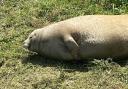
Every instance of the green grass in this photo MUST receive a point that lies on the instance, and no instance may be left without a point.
(20, 69)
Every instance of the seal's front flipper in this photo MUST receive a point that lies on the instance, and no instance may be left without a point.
(72, 46)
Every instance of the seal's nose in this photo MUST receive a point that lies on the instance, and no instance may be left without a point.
(25, 45)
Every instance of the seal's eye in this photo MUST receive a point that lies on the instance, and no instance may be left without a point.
(30, 37)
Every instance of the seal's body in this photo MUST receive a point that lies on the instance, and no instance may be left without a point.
(91, 36)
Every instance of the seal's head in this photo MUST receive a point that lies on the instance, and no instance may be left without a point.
(31, 42)
(49, 43)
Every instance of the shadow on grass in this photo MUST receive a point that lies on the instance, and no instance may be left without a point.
(66, 65)
(122, 62)
(70, 66)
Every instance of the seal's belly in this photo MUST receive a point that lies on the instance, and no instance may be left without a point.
(103, 49)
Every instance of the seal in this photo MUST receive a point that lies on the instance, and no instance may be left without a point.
(90, 36)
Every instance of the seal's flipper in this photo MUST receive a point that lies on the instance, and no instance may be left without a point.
(72, 45)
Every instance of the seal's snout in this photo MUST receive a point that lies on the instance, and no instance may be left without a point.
(25, 45)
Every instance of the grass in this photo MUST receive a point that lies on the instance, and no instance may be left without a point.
(20, 69)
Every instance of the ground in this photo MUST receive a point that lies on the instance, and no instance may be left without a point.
(20, 69)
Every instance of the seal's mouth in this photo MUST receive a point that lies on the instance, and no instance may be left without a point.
(26, 46)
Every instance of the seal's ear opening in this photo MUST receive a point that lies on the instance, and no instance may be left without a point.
(72, 45)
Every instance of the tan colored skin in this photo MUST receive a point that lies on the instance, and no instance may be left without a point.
(91, 36)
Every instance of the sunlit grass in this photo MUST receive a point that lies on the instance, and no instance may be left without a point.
(21, 70)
